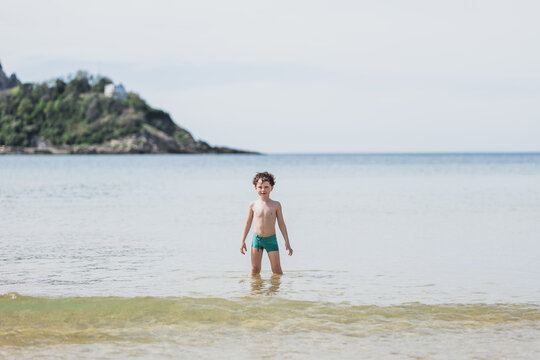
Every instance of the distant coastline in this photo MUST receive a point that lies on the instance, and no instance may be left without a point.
(127, 145)
(88, 115)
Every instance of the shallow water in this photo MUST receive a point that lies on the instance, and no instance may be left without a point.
(396, 256)
(202, 325)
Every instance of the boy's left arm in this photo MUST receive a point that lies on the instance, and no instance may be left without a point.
(283, 228)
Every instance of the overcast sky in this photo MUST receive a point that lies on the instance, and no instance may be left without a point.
(303, 76)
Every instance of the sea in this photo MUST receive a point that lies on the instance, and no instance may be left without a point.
(396, 256)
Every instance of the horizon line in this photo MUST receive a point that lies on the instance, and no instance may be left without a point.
(409, 153)
(258, 153)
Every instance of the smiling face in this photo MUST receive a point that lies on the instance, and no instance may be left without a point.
(263, 189)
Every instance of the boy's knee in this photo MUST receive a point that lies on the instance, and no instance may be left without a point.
(255, 270)
(277, 270)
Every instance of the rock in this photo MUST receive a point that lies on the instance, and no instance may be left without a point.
(155, 142)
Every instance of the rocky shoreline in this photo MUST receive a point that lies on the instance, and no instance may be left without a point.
(155, 142)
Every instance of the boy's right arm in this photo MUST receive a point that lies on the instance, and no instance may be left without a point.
(243, 247)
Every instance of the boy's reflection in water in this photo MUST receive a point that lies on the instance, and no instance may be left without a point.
(258, 288)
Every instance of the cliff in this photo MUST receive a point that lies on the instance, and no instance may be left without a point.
(75, 117)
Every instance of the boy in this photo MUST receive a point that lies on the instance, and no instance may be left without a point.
(266, 212)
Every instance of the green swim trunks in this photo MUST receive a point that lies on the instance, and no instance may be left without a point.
(269, 243)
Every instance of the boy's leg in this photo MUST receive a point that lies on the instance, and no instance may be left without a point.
(256, 258)
(274, 262)
(256, 284)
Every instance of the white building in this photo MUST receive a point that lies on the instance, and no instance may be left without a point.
(115, 91)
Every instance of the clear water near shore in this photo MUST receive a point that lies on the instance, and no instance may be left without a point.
(396, 256)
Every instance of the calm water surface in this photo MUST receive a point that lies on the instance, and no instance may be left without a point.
(396, 256)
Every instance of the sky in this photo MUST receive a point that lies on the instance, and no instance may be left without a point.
(303, 76)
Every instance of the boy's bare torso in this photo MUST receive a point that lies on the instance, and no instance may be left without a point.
(264, 217)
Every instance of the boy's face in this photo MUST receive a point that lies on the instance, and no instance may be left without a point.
(263, 188)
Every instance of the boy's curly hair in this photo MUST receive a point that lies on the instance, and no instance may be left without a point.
(264, 176)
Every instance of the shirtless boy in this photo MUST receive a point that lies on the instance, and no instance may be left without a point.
(265, 211)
